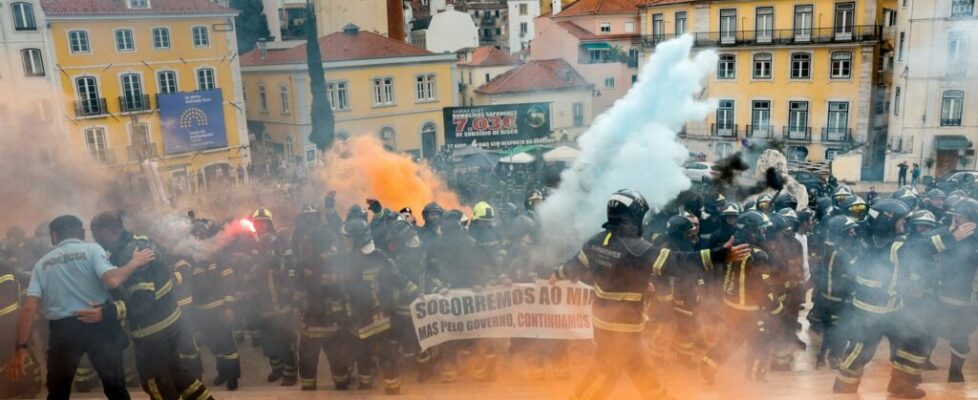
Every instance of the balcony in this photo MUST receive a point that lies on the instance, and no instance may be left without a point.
(134, 103)
(951, 122)
(91, 108)
(837, 135)
(798, 133)
(776, 37)
(724, 130)
(884, 78)
(140, 152)
(104, 156)
(759, 131)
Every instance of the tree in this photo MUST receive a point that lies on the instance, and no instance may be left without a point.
(323, 123)
(250, 24)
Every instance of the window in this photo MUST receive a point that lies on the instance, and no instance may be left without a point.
(609, 83)
(33, 64)
(903, 40)
(289, 148)
(523, 9)
(383, 91)
(429, 139)
(487, 78)
(97, 145)
(801, 66)
(889, 17)
(797, 119)
(524, 28)
(680, 23)
(132, 94)
(23, 14)
(896, 102)
(339, 95)
(725, 117)
(89, 102)
(723, 150)
(138, 3)
(962, 8)
(124, 40)
(728, 26)
(760, 118)
(425, 87)
(951, 107)
(283, 98)
(167, 81)
(727, 67)
(762, 66)
(658, 28)
(262, 99)
(841, 64)
(836, 128)
(803, 23)
(201, 36)
(844, 16)
(161, 38)
(205, 79)
(78, 42)
(957, 54)
(605, 27)
(578, 114)
(764, 24)
(629, 27)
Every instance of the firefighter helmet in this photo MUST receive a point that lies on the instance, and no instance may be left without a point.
(483, 212)
(967, 208)
(785, 200)
(358, 230)
(841, 228)
(922, 218)
(840, 194)
(730, 209)
(936, 194)
(855, 207)
(626, 206)
(908, 196)
(763, 203)
(261, 214)
(753, 226)
(884, 214)
(356, 212)
(790, 216)
(432, 209)
(679, 225)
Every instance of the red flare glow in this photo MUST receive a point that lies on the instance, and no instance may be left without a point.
(247, 225)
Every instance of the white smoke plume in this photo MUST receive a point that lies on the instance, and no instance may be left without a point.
(632, 145)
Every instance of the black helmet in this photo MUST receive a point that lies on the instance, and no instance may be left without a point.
(841, 228)
(432, 210)
(908, 196)
(785, 200)
(855, 207)
(823, 207)
(356, 212)
(730, 209)
(922, 218)
(679, 225)
(753, 226)
(508, 211)
(627, 206)
(936, 194)
(884, 215)
(452, 220)
(953, 200)
(402, 231)
(358, 230)
(790, 216)
(805, 215)
(967, 208)
(840, 194)
(778, 223)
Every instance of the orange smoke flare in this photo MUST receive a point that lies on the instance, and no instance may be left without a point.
(360, 168)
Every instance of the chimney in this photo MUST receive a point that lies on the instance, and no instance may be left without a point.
(395, 20)
(557, 6)
(262, 48)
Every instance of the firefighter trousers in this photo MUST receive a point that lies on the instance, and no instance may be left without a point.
(161, 373)
(371, 350)
(903, 331)
(402, 331)
(616, 353)
(218, 337)
(278, 343)
(960, 322)
(742, 327)
(336, 346)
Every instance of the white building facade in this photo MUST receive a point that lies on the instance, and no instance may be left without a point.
(27, 67)
(521, 15)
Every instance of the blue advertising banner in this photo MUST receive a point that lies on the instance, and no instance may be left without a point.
(192, 121)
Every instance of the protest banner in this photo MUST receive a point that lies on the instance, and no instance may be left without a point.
(531, 310)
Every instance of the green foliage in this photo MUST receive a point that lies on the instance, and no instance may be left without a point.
(323, 121)
(250, 24)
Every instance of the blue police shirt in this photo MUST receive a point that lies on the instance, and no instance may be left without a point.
(69, 278)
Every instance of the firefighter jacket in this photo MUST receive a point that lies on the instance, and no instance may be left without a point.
(418, 277)
(145, 300)
(322, 296)
(274, 277)
(833, 279)
(749, 285)
(183, 283)
(454, 260)
(619, 267)
(213, 284)
(9, 304)
(372, 276)
(883, 276)
(957, 275)
(489, 250)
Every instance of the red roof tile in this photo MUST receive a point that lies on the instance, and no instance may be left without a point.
(664, 2)
(584, 34)
(536, 75)
(489, 56)
(72, 8)
(339, 46)
(582, 7)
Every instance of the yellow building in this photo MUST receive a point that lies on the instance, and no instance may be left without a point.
(116, 59)
(801, 71)
(376, 85)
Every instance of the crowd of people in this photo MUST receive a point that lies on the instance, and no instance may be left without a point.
(691, 282)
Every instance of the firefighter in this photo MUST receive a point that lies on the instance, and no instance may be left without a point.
(29, 386)
(935, 203)
(488, 241)
(956, 276)
(413, 265)
(274, 285)
(321, 299)
(786, 254)
(150, 310)
(833, 285)
(683, 236)
(619, 264)
(763, 204)
(188, 350)
(839, 195)
(430, 232)
(213, 286)
(369, 287)
(880, 291)
(908, 196)
(750, 297)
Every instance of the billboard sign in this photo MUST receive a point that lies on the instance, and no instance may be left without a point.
(192, 121)
(498, 126)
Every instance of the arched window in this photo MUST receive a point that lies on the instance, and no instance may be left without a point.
(429, 139)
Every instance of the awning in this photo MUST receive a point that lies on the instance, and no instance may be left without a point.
(596, 46)
(951, 142)
(561, 154)
(521, 158)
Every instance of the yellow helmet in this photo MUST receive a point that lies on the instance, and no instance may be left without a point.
(483, 212)
(261, 213)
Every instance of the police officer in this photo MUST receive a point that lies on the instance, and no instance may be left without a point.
(617, 261)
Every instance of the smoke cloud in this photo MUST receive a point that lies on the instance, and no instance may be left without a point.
(632, 145)
(361, 168)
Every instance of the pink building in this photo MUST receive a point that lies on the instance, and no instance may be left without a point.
(596, 37)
